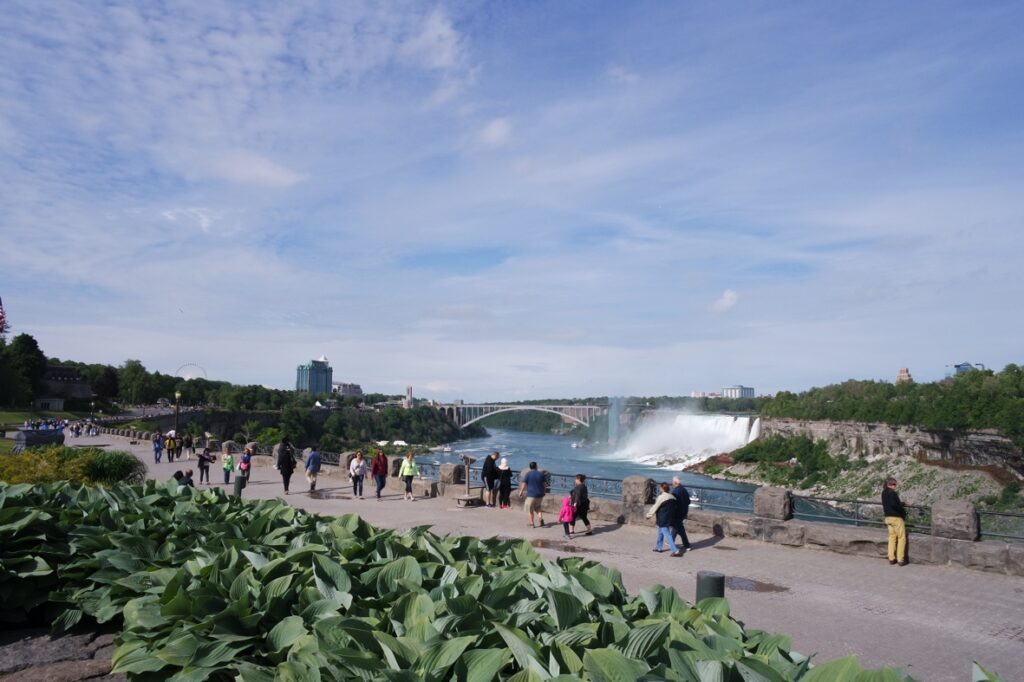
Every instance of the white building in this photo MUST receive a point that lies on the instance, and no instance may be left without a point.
(738, 392)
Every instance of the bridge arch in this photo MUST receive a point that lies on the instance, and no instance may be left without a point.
(533, 408)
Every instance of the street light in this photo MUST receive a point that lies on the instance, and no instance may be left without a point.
(92, 409)
(177, 398)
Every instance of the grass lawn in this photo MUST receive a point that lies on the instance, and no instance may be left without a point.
(5, 446)
(18, 418)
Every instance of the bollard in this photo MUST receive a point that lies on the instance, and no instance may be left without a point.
(710, 584)
(240, 482)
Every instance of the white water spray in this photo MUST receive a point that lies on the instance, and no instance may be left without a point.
(675, 441)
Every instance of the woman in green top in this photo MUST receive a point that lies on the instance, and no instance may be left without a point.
(229, 464)
(408, 471)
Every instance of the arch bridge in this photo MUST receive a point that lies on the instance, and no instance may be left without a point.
(464, 415)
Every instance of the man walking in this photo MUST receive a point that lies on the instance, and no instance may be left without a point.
(285, 462)
(682, 496)
(312, 468)
(533, 487)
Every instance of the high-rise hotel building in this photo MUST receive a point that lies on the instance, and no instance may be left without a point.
(314, 376)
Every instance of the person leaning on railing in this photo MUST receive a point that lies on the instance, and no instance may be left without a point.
(896, 521)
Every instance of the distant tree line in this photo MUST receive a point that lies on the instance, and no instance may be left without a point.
(979, 399)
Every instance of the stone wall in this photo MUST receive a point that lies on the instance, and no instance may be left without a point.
(952, 542)
(964, 448)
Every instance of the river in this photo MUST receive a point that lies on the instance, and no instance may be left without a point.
(557, 454)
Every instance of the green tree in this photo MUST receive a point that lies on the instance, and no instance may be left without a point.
(27, 366)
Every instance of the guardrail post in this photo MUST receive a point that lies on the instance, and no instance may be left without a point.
(710, 584)
(955, 519)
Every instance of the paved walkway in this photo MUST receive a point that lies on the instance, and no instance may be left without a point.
(932, 621)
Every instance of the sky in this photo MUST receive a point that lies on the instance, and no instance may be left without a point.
(507, 201)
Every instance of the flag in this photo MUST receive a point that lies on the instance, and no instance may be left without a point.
(3, 321)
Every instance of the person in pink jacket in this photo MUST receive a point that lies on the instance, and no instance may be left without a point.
(567, 515)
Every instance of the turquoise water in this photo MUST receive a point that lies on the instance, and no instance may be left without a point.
(556, 454)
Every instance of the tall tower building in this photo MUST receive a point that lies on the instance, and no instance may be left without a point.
(407, 403)
(314, 376)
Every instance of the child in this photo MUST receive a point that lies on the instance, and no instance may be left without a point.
(228, 464)
(567, 516)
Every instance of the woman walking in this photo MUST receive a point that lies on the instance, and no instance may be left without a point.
(409, 471)
(245, 464)
(581, 504)
(285, 463)
(379, 471)
(665, 509)
(205, 459)
(357, 471)
(228, 463)
(504, 484)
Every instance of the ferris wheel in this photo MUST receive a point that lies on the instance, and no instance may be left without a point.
(190, 370)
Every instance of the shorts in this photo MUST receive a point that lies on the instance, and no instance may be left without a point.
(533, 504)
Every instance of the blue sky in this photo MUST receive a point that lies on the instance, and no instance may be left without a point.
(496, 201)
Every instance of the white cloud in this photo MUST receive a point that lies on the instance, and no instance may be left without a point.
(725, 302)
(252, 169)
(622, 75)
(496, 133)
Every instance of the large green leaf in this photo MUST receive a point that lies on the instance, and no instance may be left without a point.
(483, 665)
(442, 655)
(285, 633)
(609, 665)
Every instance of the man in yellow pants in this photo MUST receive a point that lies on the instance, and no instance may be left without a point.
(895, 520)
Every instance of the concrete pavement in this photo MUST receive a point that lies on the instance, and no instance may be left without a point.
(930, 620)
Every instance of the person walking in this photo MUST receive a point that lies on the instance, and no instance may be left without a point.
(169, 445)
(489, 474)
(313, 468)
(581, 504)
(504, 484)
(190, 447)
(682, 496)
(896, 522)
(158, 447)
(408, 471)
(567, 516)
(228, 463)
(533, 487)
(665, 511)
(179, 445)
(357, 472)
(245, 464)
(205, 459)
(285, 462)
(379, 471)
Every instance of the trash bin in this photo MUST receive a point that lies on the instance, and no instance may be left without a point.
(240, 482)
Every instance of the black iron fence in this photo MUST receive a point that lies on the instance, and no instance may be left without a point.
(1002, 526)
(857, 513)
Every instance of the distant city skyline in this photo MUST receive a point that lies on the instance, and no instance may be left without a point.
(516, 201)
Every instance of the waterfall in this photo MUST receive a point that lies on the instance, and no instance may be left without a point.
(674, 440)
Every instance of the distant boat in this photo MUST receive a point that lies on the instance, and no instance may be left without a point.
(576, 445)
(446, 448)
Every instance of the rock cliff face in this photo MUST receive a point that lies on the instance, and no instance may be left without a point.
(982, 449)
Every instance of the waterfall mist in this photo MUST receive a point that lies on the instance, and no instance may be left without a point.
(674, 440)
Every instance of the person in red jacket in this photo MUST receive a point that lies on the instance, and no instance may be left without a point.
(379, 471)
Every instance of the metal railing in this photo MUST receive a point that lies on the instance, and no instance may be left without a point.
(721, 499)
(857, 513)
(1001, 525)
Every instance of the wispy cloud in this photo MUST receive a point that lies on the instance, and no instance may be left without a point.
(458, 199)
(727, 301)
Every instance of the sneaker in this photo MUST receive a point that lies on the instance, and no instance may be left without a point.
(892, 562)
(659, 551)
(568, 537)
(903, 563)
(676, 553)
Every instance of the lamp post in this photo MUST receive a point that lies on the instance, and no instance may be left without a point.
(92, 409)
(177, 399)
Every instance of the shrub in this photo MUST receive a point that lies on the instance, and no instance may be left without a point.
(267, 591)
(78, 465)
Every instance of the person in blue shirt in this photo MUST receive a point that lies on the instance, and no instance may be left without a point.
(682, 496)
(312, 468)
(533, 487)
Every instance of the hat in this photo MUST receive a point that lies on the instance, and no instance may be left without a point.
(504, 463)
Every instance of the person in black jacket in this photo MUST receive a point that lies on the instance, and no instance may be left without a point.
(285, 462)
(489, 474)
(895, 520)
(682, 496)
(664, 511)
(581, 503)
